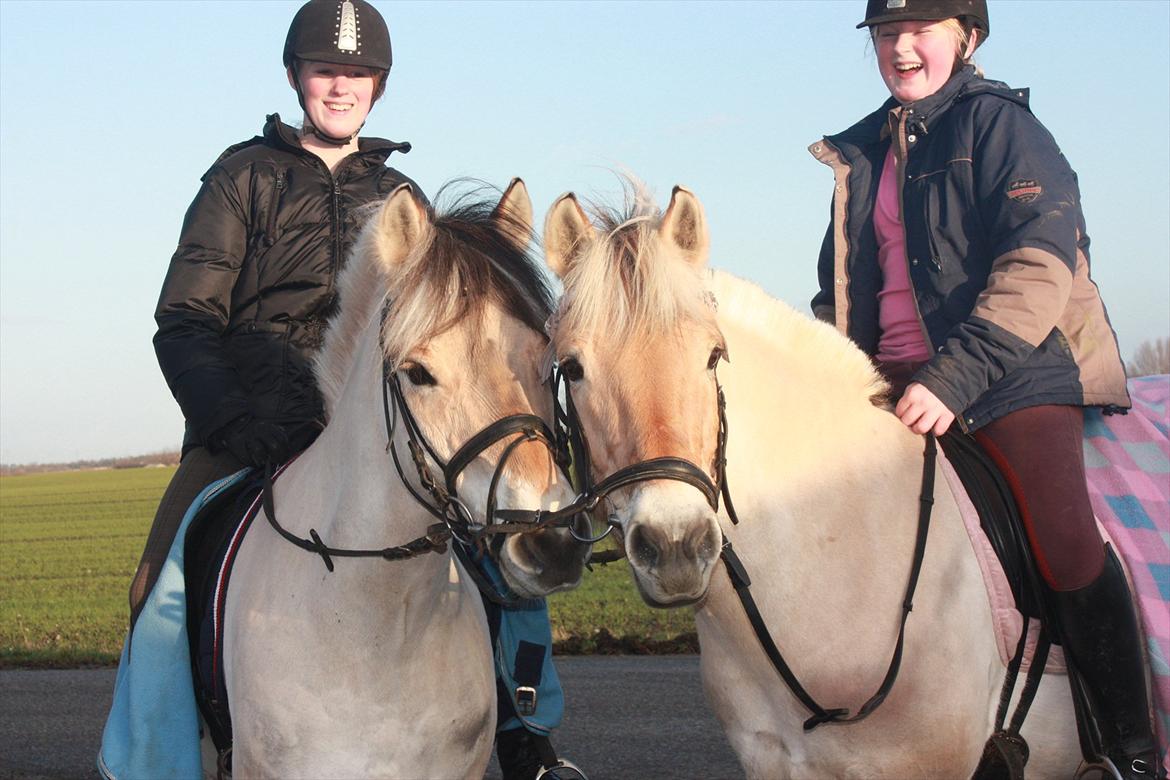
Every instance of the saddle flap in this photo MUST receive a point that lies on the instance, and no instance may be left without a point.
(999, 517)
(206, 555)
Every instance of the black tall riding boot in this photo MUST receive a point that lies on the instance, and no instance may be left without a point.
(517, 753)
(1103, 642)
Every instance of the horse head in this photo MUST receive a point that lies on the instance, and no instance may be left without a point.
(637, 344)
(462, 339)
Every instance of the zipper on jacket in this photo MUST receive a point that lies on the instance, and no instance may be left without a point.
(334, 214)
(334, 178)
(902, 160)
(273, 208)
(336, 232)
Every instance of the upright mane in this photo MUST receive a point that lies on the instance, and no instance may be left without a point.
(812, 350)
(467, 257)
(654, 296)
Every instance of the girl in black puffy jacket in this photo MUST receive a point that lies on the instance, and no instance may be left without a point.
(251, 284)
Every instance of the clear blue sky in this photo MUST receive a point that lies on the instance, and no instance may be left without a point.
(111, 111)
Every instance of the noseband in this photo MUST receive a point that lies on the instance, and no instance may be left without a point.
(444, 502)
(571, 441)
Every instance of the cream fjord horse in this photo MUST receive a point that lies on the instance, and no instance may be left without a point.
(826, 486)
(383, 668)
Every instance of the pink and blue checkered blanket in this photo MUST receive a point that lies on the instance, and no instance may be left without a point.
(1127, 460)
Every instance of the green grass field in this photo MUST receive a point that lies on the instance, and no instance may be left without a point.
(70, 541)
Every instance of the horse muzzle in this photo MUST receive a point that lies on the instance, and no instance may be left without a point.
(672, 539)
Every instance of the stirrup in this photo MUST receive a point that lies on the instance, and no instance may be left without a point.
(1098, 769)
(1105, 769)
(561, 770)
(223, 764)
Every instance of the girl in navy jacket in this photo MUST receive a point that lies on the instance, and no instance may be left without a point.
(957, 257)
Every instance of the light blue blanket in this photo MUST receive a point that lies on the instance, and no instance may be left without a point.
(153, 727)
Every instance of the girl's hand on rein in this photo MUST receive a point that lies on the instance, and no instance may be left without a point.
(921, 411)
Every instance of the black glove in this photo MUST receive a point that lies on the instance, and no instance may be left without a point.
(256, 442)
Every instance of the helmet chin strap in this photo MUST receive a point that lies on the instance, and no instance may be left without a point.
(308, 128)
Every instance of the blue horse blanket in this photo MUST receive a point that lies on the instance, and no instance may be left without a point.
(153, 729)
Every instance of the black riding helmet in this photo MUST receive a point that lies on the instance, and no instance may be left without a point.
(972, 12)
(341, 32)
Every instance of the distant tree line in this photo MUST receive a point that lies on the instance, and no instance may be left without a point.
(128, 462)
(1152, 357)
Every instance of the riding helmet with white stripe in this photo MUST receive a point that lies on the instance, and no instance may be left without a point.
(341, 32)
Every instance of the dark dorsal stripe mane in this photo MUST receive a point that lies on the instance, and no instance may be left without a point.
(625, 231)
(470, 243)
(467, 259)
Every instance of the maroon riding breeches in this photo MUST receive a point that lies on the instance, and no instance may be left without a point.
(1040, 450)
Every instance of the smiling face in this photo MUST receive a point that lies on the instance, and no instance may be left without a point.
(915, 58)
(337, 97)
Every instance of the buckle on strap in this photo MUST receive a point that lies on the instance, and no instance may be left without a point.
(525, 700)
(825, 716)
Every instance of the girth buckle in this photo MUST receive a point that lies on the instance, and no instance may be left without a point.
(525, 701)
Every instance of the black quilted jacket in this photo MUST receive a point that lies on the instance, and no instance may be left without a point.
(249, 287)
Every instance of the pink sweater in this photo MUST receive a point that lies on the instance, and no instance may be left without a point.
(902, 338)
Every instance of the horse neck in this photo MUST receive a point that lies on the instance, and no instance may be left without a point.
(799, 408)
(371, 507)
(826, 488)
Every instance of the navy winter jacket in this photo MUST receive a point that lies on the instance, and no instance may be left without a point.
(996, 245)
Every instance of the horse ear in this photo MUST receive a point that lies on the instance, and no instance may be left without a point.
(514, 213)
(566, 232)
(685, 226)
(400, 224)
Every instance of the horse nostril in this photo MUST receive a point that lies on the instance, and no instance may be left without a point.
(704, 543)
(645, 552)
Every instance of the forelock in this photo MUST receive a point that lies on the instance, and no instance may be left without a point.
(620, 285)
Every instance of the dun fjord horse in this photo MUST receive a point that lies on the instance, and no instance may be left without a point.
(382, 668)
(826, 486)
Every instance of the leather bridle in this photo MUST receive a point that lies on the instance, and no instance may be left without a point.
(571, 440)
(437, 492)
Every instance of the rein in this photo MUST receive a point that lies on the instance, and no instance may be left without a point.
(740, 581)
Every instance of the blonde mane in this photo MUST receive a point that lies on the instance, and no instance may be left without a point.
(466, 257)
(618, 286)
(813, 350)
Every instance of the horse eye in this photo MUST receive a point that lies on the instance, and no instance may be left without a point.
(716, 355)
(572, 369)
(418, 375)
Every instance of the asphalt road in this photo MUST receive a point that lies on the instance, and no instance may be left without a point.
(627, 717)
